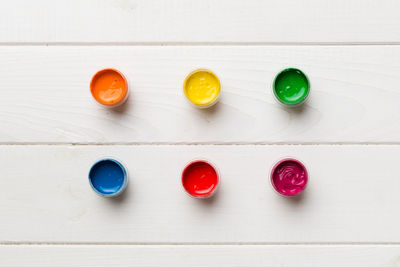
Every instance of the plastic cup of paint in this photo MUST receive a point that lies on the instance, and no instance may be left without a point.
(289, 177)
(200, 179)
(108, 177)
(202, 88)
(109, 87)
(291, 87)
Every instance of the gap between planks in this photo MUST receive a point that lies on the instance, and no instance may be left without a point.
(199, 44)
(23, 243)
(198, 143)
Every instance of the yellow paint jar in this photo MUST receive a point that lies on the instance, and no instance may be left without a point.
(202, 88)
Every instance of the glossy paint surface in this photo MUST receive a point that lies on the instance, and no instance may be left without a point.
(108, 177)
(291, 87)
(289, 177)
(109, 87)
(199, 179)
(202, 87)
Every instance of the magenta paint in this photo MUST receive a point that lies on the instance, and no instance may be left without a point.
(289, 177)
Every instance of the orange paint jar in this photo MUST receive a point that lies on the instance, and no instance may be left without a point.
(109, 87)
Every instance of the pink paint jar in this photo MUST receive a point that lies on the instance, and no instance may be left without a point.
(289, 177)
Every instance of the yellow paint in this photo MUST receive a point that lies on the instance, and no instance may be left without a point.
(202, 87)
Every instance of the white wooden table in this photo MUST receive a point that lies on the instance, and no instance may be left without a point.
(348, 134)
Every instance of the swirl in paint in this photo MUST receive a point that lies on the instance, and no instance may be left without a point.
(289, 177)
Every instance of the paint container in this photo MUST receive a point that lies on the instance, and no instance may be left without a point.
(291, 87)
(202, 88)
(109, 87)
(108, 177)
(200, 179)
(289, 177)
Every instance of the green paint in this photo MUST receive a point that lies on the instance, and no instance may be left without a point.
(291, 87)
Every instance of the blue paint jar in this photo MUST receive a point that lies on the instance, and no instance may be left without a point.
(108, 177)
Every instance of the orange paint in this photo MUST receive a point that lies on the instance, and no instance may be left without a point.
(109, 87)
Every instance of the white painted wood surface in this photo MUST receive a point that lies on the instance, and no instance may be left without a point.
(351, 197)
(355, 96)
(218, 256)
(347, 217)
(207, 21)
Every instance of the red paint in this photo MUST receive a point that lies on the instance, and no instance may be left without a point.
(289, 177)
(200, 179)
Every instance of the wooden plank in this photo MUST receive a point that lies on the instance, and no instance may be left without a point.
(265, 256)
(209, 21)
(351, 196)
(45, 96)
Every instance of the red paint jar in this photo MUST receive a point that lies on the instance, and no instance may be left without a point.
(289, 177)
(200, 179)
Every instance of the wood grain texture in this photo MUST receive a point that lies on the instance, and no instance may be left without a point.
(347, 216)
(169, 256)
(191, 21)
(351, 196)
(354, 97)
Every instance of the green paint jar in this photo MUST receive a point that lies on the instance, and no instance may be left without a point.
(291, 87)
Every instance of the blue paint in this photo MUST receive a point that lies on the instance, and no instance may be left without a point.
(108, 177)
